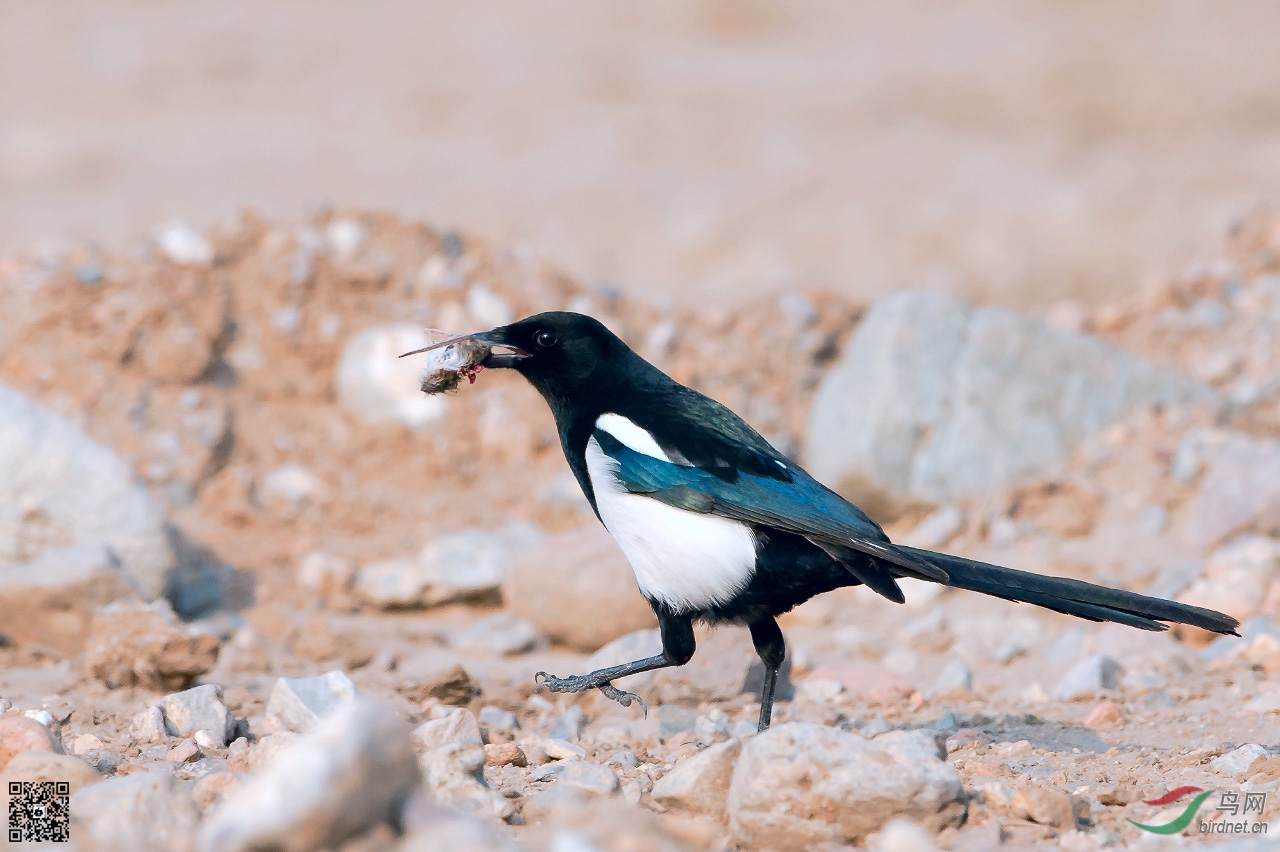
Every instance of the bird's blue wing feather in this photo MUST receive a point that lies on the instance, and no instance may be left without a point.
(802, 505)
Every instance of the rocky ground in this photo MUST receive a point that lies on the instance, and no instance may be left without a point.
(257, 592)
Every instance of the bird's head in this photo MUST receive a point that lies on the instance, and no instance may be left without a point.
(561, 353)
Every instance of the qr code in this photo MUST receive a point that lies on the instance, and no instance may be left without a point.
(39, 811)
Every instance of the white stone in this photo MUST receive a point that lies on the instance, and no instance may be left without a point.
(818, 689)
(600, 780)
(289, 487)
(466, 564)
(1090, 675)
(184, 244)
(351, 772)
(148, 726)
(902, 835)
(794, 785)
(699, 784)
(44, 717)
(345, 237)
(195, 709)
(1237, 762)
(935, 400)
(56, 485)
(954, 677)
(500, 633)
(299, 703)
(375, 385)
(208, 739)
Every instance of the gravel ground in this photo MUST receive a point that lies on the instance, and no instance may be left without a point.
(310, 541)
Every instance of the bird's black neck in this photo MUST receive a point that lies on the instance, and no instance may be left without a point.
(627, 386)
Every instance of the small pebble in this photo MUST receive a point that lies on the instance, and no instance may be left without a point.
(44, 717)
(504, 754)
(184, 752)
(1104, 713)
(623, 760)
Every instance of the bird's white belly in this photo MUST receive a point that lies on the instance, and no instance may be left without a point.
(686, 560)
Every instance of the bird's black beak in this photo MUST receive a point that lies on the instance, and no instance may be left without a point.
(496, 337)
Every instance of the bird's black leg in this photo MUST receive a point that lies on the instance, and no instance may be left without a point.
(772, 648)
(677, 649)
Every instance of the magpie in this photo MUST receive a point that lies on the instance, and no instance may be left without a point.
(720, 527)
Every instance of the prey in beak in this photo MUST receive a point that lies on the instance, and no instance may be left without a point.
(464, 356)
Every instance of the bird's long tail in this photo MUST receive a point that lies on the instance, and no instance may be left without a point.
(1074, 597)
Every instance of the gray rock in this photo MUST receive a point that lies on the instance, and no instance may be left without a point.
(459, 726)
(1087, 677)
(428, 827)
(954, 677)
(148, 726)
(1240, 489)
(699, 784)
(300, 702)
(674, 719)
(600, 780)
(145, 811)
(935, 401)
(795, 786)
(500, 633)
(1236, 763)
(569, 724)
(50, 600)
(459, 566)
(375, 385)
(198, 709)
(578, 589)
(712, 727)
(56, 485)
(497, 719)
(453, 775)
(352, 771)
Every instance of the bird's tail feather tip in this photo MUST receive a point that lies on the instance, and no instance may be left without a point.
(1076, 597)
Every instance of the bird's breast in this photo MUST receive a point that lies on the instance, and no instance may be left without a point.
(686, 560)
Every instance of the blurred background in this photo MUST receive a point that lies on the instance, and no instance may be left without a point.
(708, 150)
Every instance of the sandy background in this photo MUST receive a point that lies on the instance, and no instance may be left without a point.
(703, 150)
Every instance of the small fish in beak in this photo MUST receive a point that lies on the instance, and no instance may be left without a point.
(451, 360)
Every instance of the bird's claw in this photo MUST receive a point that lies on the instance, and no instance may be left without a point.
(623, 698)
(581, 683)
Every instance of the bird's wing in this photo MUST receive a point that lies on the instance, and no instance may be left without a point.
(800, 505)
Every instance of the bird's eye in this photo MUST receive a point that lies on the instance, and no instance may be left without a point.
(545, 339)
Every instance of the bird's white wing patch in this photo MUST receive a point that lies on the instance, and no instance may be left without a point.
(631, 435)
(687, 560)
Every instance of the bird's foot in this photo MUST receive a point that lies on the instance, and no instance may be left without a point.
(581, 683)
(624, 698)
(576, 683)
